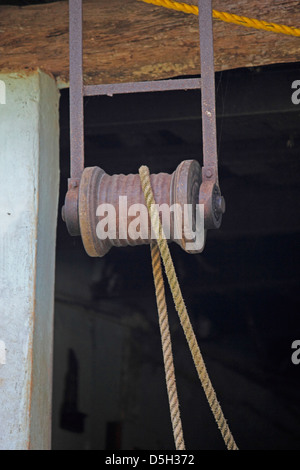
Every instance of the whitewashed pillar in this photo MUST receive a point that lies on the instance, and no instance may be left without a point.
(29, 182)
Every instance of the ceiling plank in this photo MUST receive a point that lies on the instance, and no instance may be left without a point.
(132, 41)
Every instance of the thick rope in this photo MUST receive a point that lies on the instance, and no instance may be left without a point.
(228, 17)
(167, 347)
(182, 311)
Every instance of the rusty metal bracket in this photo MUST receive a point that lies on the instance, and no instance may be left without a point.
(208, 184)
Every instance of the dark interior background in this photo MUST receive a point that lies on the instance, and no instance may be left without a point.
(242, 292)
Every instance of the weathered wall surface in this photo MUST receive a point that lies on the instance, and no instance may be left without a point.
(29, 179)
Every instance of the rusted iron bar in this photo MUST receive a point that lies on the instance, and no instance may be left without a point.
(76, 90)
(91, 186)
(208, 100)
(124, 196)
(142, 87)
(210, 194)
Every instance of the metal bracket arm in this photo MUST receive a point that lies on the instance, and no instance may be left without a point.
(209, 192)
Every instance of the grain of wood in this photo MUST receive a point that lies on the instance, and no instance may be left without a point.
(132, 41)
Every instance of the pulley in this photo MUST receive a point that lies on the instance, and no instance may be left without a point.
(189, 188)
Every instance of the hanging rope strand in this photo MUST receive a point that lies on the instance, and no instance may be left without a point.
(167, 347)
(182, 311)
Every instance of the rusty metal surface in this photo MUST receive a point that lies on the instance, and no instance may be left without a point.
(214, 204)
(98, 188)
(208, 85)
(90, 187)
(142, 87)
(70, 208)
(210, 194)
(76, 89)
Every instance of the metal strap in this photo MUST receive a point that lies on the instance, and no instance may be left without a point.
(78, 90)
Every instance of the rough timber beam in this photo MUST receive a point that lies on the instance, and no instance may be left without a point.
(132, 41)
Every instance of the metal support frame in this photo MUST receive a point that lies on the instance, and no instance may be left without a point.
(209, 194)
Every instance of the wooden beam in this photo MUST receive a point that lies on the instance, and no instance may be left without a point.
(132, 41)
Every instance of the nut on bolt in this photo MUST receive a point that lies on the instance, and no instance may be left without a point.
(208, 173)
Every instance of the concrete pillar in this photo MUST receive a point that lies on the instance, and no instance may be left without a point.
(29, 181)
